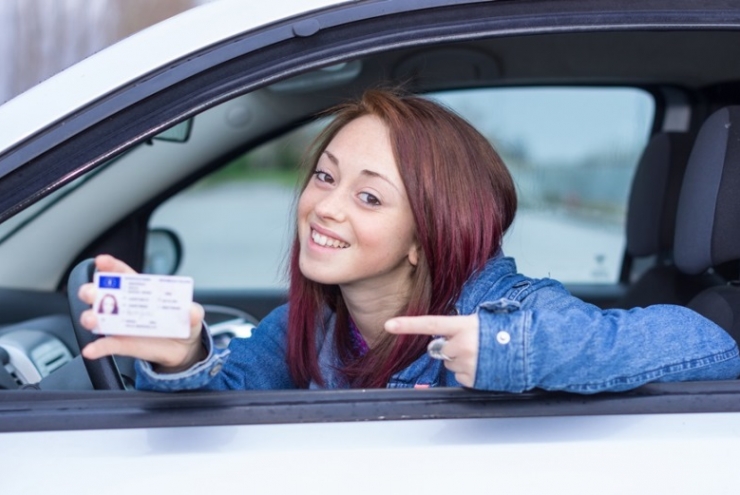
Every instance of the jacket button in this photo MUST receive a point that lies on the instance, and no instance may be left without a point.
(214, 371)
(503, 338)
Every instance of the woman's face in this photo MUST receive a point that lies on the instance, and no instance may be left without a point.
(109, 305)
(355, 225)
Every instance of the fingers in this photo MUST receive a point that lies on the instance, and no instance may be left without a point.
(462, 363)
(105, 346)
(104, 263)
(197, 314)
(465, 379)
(121, 346)
(169, 353)
(89, 319)
(87, 293)
(460, 333)
(463, 354)
(140, 347)
(107, 263)
(445, 326)
(455, 350)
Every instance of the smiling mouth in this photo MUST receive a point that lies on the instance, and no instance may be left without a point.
(322, 240)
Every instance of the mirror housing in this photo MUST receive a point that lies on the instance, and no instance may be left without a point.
(163, 252)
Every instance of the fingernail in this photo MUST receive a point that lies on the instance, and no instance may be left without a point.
(391, 325)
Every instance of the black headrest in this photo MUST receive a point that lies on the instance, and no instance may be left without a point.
(651, 216)
(708, 218)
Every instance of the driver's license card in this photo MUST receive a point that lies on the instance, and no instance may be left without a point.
(143, 305)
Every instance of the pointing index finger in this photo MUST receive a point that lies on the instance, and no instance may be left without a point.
(445, 326)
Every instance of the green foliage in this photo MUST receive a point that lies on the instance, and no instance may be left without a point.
(282, 168)
(276, 161)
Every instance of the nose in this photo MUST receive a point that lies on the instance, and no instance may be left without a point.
(332, 205)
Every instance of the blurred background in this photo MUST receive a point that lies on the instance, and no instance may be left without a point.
(572, 153)
(39, 38)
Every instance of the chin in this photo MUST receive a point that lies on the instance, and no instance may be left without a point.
(316, 274)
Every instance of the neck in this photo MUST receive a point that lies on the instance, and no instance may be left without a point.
(371, 309)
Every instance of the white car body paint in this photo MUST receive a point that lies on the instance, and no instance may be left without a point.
(672, 454)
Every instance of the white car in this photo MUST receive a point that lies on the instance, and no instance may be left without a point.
(176, 149)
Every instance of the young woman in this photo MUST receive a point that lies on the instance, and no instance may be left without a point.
(398, 280)
(108, 305)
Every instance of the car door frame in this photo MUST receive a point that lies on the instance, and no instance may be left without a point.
(143, 108)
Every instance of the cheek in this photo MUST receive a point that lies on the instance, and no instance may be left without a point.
(389, 239)
(304, 207)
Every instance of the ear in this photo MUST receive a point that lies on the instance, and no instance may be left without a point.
(414, 254)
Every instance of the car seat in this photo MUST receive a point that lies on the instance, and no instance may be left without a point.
(708, 216)
(650, 229)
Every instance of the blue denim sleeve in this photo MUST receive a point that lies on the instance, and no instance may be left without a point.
(257, 362)
(552, 340)
(196, 377)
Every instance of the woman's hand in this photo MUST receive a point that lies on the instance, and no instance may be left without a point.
(462, 343)
(171, 355)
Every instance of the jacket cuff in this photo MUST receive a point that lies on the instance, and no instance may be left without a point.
(502, 351)
(195, 377)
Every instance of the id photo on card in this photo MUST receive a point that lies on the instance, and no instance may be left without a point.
(108, 305)
(143, 305)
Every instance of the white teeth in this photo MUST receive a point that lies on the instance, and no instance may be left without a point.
(322, 240)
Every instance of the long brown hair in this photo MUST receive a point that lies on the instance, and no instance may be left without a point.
(462, 198)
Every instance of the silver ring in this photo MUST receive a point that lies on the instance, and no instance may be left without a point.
(434, 349)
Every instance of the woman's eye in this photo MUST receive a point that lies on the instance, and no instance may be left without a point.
(369, 199)
(323, 176)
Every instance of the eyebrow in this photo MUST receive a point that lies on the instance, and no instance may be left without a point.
(366, 172)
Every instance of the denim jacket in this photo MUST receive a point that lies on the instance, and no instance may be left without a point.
(533, 334)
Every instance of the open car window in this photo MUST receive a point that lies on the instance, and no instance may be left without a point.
(572, 153)
(236, 223)
(571, 150)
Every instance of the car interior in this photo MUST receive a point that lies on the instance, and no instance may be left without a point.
(621, 143)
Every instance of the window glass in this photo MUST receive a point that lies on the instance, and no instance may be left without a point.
(572, 153)
(236, 224)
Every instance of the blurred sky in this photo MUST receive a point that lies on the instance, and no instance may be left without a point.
(560, 125)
